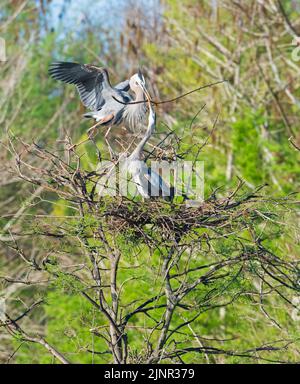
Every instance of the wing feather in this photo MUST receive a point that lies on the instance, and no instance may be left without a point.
(91, 82)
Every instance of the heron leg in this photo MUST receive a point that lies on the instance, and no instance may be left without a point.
(92, 132)
(77, 144)
(113, 156)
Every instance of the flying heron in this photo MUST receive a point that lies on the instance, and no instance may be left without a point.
(98, 95)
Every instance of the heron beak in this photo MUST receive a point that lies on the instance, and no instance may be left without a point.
(142, 85)
(146, 92)
(141, 76)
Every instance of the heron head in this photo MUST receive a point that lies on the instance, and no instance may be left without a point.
(137, 81)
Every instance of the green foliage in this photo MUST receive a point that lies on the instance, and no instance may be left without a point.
(247, 149)
(70, 320)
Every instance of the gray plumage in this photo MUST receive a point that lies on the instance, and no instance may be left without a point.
(148, 182)
(97, 94)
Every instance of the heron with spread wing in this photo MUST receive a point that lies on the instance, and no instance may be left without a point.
(108, 104)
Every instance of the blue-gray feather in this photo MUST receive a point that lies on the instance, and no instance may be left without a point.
(97, 94)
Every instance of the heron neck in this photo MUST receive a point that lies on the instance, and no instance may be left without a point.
(139, 148)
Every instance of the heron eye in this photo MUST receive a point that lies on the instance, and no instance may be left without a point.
(136, 83)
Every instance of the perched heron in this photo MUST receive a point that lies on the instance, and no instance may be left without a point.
(97, 94)
(148, 182)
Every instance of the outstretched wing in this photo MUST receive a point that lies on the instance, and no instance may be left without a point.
(91, 82)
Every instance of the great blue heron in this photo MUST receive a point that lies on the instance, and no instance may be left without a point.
(148, 182)
(97, 94)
